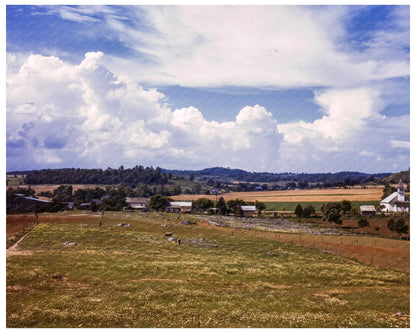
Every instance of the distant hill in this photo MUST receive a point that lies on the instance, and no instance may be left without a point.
(158, 176)
(246, 176)
(395, 178)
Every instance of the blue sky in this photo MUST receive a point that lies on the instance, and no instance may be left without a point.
(261, 88)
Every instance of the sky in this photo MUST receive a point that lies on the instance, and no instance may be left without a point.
(274, 88)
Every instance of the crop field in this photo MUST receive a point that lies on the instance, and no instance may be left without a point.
(313, 195)
(51, 188)
(69, 272)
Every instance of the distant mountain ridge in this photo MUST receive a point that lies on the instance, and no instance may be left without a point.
(242, 175)
(150, 175)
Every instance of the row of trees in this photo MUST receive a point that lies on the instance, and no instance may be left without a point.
(131, 177)
(332, 211)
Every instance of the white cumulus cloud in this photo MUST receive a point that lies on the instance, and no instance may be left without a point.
(84, 115)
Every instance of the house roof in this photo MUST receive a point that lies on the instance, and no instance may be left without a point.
(367, 208)
(248, 208)
(136, 200)
(390, 198)
(31, 198)
(181, 203)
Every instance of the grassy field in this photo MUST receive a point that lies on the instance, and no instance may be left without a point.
(131, 276)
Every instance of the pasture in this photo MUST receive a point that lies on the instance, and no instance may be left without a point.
(69, 272)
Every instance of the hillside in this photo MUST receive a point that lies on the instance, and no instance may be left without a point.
(227, 174)
(158, 176)
(395, 178)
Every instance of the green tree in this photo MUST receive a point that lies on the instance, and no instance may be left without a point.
(202, 204)
(63, 193)
(260, 206)
(332, 212)
(391, 224)
(363, 222)
(398, 226)
(401, 227)
(387, 191)
(196, 188)
(158, 202)
(234, 206)
(308, 211)
(222, 206)
(298, 210)
(345, 206)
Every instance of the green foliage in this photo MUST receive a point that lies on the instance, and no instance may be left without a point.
(158, 202)
(87, 194)
(308, 211)
(387, 191)
(363, 222)
(131, 177)
(298, 210)
(234, 206)
(202, 204)
(191, 176)
(332, 212)
(345, 206)
(260, 206)
(222, 206)
(398, 226)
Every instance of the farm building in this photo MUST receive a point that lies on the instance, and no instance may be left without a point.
(367, 210)
(248, 210)
(179, 207)
(396, 202)
(137, 203)
(22, 203)
(88, 204)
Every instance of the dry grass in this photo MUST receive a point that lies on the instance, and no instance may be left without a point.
(134, 277)
(51, 188)
(322, 195)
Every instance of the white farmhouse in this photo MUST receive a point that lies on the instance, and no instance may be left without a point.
(179, 207)
(395, 202)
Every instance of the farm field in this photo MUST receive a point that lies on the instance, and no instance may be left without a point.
(45, 188)
(68, 272)
(313, 195)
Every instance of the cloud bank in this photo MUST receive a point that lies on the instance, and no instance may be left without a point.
(59, 114)
(107, 109)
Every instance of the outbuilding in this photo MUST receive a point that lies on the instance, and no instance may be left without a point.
(137, 203)
(248, 210)
(367, 210)
(179, 207)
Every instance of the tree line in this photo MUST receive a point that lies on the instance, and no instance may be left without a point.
(131, 177)
(158, 176)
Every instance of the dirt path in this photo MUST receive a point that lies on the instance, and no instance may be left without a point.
(14, 249)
